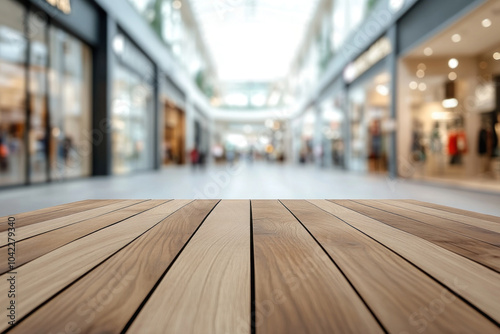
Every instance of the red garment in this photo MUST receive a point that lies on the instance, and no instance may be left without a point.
(194, 156)
(452, 144)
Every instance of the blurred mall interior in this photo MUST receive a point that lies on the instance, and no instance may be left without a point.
(325, 98)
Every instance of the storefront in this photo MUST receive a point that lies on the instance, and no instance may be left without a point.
(132, 111)
(369, 102)
(449, 101)
(45, 95)
(333, 123)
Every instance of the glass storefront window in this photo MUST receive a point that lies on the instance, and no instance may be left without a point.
(38, 97)
(12, 94)
(132, 110)
(70, 148)
(448, 103)
(333, 120)
(54, 136)
(369, 103)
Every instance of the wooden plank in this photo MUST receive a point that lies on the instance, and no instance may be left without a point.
(396, 291)
(47, 275)
(207, 290)
(465, 221)
(53, 224)
(474, 282)
(298, 289)
(33, 217)
(32, 248)
(477, 233)
(481, 252)
(105, 299)
(455, 210)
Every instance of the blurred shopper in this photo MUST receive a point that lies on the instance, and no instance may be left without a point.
(4, 155)
(195, 157)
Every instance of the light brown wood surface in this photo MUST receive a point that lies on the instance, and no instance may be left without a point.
(259, 266)
(32, 248)
(106, 299)
(472, 281)
(476, 250)
(392, 287)
(47, 275)
(464, 213)
(298, 289)
(217, 280)
(466, 221)
(38, 216)
(32, 230)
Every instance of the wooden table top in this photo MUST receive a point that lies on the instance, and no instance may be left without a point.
(259, 266)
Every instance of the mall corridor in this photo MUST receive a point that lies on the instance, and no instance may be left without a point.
(240, 181)
(250, 166)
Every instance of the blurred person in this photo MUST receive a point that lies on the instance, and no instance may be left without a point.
(4, 154)
(194, 156)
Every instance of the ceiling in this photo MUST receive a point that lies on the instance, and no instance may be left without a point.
(253, 40)
(475, 39)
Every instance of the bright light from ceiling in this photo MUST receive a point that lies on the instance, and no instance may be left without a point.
(236, 99)
(428, 51)
(382, 90)
(486, 23)
(456, 38)
(253, 40)
(177, 4)
(496, 56)
(258, 100)
(453, 63)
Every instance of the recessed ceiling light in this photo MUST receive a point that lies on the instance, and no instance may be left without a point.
(496, 56)
(422, 66)
(428, 51)
(486, 23)
(177, 4)
(453, 63)
(456, 38)
(452, 76)
(422, 87)
(420, 74)
(413, 85)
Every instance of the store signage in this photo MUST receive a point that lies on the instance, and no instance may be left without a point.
(363, 63)
(63, 5)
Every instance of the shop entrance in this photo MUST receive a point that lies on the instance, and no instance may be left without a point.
(448, 109)
(369, 103)
(174, 152)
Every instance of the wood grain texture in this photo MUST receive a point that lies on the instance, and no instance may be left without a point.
(47, 275)
(32, 248)
(475, 283)
(298, 289)
(451, 226)
(394, 289)
(212, 293)
(49, 225)
(465, 213)
(37, 216)
(476, 250)
(105, 300)
(466, 222)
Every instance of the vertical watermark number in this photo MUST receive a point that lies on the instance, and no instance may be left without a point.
(12, 274)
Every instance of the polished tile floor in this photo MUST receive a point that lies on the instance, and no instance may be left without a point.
(254, 181)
